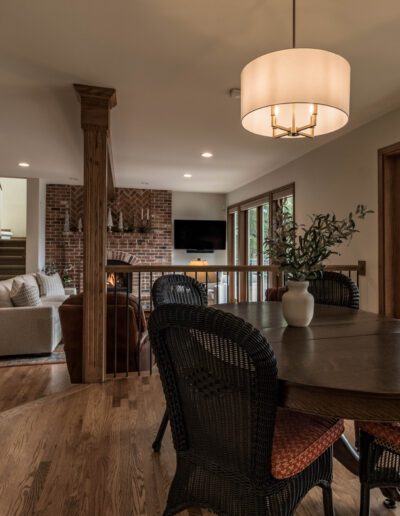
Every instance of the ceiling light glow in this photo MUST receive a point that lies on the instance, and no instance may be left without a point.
(23, 164)
(187, 175)
(207, 155)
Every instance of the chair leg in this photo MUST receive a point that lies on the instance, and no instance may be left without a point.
(328, 500)
(364, 503)
(160, 434)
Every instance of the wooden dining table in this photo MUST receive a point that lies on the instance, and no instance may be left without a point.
(346, 364)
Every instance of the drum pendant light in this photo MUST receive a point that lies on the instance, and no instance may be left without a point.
(298, 92)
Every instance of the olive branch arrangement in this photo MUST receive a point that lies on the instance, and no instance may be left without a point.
(300, 251)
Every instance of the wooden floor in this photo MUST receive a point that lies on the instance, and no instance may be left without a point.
(21, 384)
(86, 450)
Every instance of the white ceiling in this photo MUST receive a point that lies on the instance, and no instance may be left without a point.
(172, 63)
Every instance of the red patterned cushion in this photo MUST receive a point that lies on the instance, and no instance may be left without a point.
(386, 434)
(299, 439)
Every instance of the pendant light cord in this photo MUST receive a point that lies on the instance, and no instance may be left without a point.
(294, 23)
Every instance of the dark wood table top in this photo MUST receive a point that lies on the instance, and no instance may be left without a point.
(345, 364)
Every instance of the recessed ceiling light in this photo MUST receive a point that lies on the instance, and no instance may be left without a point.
(187, 175)
(73, 178)
(23, 164)
(144, 183)
(207, 155)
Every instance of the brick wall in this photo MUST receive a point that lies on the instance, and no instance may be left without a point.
(154, 247)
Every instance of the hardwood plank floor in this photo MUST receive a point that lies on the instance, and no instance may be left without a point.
(87, 452)
(22, 384)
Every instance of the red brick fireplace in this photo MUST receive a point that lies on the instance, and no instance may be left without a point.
(120, 280)
(155, 246)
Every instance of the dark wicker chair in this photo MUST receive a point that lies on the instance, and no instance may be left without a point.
(335, 289)
(237, 455)
(332, 289)
(175, 288)
(379, 447)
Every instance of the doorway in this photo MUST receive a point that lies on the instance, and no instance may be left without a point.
(13, 206)
(389, 230)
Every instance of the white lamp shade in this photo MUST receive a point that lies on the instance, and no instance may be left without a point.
(293, 81)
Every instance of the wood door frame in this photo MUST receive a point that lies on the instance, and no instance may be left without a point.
(275, 280)
(385, 197)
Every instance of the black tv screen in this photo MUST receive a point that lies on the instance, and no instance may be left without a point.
(200, 235)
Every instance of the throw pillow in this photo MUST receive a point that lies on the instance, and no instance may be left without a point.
(50, 285)
(25, 295)
(5, 301)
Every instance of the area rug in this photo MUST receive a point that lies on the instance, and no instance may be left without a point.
(57, 357)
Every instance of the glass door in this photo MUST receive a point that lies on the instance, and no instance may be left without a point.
(266, 231)
(252, 252)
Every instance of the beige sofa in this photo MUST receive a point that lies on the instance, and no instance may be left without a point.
(28, 330)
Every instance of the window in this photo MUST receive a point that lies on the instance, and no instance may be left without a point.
(250, 223)
(235, 238)
(265, 234)
(252, 251)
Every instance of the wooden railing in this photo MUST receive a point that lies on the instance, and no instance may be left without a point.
(223, 283)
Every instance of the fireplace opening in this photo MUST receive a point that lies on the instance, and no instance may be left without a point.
(122, 281)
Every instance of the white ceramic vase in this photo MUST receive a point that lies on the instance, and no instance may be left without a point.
(298, 304)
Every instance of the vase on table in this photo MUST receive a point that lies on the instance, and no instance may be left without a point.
(298, 304)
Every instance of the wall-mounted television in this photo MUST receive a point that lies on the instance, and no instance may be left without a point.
(200, 235)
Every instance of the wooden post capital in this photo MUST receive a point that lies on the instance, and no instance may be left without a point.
(96, 104)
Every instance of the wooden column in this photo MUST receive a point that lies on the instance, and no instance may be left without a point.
(96, 104)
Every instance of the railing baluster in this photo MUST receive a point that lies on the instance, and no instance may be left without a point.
(127, 328)
(151, 309)
(140, 318)
(150, 289)
(115, 325)
(217, 292)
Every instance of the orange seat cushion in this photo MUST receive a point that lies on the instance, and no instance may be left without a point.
(299, 439)
(386, 434)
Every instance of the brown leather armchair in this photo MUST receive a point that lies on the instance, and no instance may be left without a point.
(71, 317)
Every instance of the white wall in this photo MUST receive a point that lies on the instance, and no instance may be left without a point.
(337, 177)
(201, 206)
(36, 225)
(13, 205)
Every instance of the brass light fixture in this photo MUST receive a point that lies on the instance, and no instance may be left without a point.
(298, 92)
